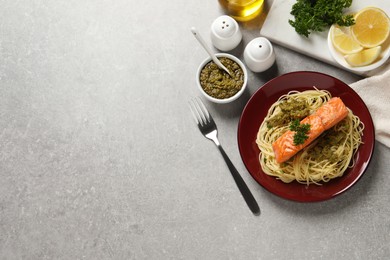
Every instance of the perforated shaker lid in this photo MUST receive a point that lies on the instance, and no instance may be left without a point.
(224, 26)
(260, 49)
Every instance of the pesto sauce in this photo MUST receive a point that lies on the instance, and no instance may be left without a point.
(217, 83)
(291, 109)
(329, 142)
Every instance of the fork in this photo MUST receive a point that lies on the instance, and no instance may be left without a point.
(208, 128)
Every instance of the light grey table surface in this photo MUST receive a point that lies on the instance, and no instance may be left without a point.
(100, 157)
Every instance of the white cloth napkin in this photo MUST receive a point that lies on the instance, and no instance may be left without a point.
(375, 92)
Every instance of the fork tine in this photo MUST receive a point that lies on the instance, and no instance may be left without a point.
(197, 112)
(193, 109)
(202, 111)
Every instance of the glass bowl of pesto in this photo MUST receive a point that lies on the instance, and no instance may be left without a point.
(217, 85)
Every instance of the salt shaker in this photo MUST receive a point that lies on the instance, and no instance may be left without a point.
(225, 33)
(259, 54)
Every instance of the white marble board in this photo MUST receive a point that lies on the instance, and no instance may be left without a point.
(278, 30)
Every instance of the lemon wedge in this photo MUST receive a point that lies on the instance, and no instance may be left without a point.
(371, 27)
(344, 42)
(364, 57)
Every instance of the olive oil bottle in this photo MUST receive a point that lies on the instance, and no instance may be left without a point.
(242, 10)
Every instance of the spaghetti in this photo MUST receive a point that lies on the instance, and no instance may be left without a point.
(325, 158)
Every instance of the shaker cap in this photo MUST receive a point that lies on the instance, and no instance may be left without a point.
(225, 33)
(260, 48)
(224, 26)
(259, 54)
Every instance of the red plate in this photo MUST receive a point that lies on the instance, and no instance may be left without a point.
(255, 111)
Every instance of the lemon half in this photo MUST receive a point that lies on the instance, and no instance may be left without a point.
(371, 27)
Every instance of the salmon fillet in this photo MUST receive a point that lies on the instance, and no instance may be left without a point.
(332, 112)
(323, 119)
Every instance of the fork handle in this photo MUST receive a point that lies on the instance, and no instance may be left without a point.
(246, 193)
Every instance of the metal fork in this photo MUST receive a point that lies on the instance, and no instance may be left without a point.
(208, 128)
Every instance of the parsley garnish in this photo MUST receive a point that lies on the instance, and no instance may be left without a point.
(300, 130)
(316, 15)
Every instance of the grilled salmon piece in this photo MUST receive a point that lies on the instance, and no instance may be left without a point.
(324, 118)
(332, 112)
(284, 147)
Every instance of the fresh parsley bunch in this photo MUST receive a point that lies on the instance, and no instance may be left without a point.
(316, 15)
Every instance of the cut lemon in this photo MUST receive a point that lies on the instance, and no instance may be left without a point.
(371, 27)
(363, 58)
(344, 42)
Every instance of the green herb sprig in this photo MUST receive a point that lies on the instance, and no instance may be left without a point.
(317, 15)
(300, 130)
